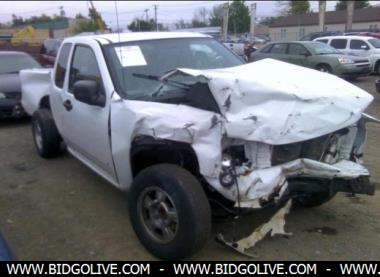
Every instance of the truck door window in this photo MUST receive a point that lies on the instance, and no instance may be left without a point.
(60, 71)
(84, 67)
(339, 43)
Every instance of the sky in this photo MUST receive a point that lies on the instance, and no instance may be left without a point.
(168, 12)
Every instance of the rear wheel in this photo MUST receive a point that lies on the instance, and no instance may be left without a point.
(324, 68)
(45, 134)
(169, 210)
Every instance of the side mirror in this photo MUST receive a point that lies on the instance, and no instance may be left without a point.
(87, 91)
(306, 54)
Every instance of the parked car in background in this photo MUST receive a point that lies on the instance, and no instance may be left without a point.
(314, 35)
(48, 52)
(11, 62)
(315, 55)
(365, 46)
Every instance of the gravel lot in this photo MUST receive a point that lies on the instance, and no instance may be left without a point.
(59, 210)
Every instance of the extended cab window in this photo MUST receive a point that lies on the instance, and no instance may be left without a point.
(358, 44)
(339, 43)
(84, 67)
(60, 71)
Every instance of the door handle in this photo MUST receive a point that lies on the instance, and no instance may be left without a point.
(68, 106)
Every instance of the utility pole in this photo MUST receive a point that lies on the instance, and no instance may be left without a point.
(350, 15)
(253, 18)
(146, 14)
(155, 17)
(225, 21)
(322, 11)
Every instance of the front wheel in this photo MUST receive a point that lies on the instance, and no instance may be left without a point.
(324, 68)
(169, 210)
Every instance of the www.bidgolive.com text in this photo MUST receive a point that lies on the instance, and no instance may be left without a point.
(191, 268)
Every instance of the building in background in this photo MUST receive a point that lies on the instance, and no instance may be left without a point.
(294, 27)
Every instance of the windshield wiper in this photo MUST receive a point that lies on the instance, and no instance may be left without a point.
(158, 78)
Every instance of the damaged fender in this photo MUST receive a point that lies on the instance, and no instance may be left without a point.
(35, 84)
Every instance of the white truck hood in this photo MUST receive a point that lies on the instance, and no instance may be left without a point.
(278, 103)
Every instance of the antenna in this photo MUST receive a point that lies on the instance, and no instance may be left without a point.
(117, 20)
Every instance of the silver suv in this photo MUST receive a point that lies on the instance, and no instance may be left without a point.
(368, 47)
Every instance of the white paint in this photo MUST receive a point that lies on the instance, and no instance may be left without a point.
(35, 84)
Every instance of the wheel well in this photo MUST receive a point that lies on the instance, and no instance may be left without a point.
(45, 103)
(377, 66)
(147, 151)
(322, 64)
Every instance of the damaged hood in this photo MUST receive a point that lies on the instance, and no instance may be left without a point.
(278, 103)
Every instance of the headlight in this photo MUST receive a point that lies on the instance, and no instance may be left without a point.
(2, 95)
(345, 61)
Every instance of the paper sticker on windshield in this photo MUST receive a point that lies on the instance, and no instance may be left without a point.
(130, 56)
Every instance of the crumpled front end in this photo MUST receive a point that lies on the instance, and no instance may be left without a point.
(255, 174)
(271, 128)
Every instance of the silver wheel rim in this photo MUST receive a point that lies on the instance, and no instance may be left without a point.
(158, 214)
(38, 135)
(323, 69)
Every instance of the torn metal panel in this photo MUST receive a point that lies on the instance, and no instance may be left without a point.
(35, 84)
(275, 226)
(165, 121)
(264, 101)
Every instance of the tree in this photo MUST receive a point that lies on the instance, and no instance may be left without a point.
(359, 4)
(94, 16)
(293, 7)
(216, 15)
(17, 20)
(238, 17)
(181, 24)
(138, 25)
(267, 21)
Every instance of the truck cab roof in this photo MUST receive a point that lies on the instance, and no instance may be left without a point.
(134, 36)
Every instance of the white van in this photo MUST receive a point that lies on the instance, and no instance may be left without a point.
(368, 47)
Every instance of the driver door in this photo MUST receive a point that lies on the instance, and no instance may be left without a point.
(86, 130)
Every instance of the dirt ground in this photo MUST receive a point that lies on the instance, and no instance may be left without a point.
(59, 210)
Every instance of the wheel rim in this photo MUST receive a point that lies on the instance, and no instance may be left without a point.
(324, 69)
(38, 135)
(158, 214)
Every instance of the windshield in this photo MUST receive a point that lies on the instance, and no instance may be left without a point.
(375, 42)
(13, 63)
(320, 48)
(130, 61)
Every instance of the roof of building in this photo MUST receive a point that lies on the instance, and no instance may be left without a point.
(135, 36)
(332, 17)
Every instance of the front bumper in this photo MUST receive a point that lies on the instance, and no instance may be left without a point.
(263, 186)
(11, 108)
(353, 70)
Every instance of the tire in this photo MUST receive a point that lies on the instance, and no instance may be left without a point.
(310, 193)
(164, 189)
(377, 67)
(324, 68)
(45, 134)
(313, 199)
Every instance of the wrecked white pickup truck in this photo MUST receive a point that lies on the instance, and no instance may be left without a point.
(238, 136)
